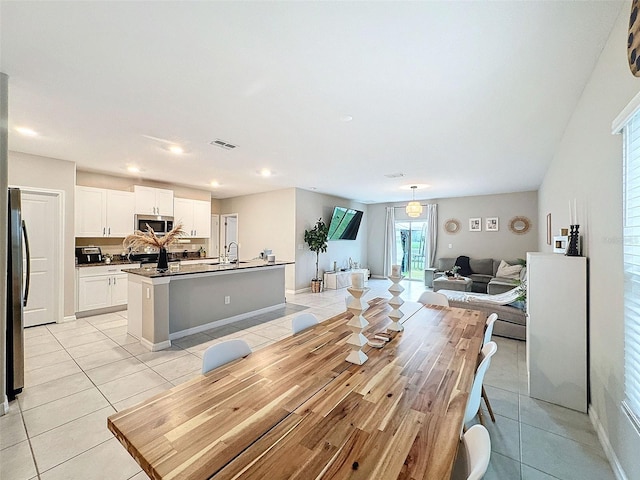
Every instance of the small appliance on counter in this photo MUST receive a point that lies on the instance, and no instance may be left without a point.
(86, 255)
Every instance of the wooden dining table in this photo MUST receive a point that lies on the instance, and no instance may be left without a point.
(298, 410)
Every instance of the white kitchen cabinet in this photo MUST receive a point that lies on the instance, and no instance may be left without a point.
(557, 329)
(102, 286)
(153, 201)
(195, 216)
(103, 213)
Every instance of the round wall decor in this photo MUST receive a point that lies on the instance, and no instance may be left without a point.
(633, 40)
(452, 226)
(519, 225)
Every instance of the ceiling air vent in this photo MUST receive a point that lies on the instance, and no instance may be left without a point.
(394, 175)
(222, 144)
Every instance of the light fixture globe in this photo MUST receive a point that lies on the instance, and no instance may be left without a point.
(414, 209)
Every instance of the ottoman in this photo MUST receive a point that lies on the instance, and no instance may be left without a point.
(460, 284)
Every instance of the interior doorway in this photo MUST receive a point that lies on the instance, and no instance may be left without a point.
(228, 234)
(410, 239)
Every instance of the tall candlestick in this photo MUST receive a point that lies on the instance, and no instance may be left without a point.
(575, 212)
(570, 214)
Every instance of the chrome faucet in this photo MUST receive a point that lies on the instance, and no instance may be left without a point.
(237, 251)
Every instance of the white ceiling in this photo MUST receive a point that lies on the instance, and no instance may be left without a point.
(467, 97)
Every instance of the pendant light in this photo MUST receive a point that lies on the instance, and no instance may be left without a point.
(414, 209)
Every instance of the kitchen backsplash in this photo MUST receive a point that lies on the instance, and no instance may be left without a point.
(113, 246)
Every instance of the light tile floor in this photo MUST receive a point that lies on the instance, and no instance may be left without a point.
(78, 373)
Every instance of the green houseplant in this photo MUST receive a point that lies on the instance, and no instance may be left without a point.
(316, 238)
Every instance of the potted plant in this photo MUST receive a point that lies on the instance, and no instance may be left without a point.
(149, 239)
(316, 238)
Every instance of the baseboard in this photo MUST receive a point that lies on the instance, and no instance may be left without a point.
(618, 471)
(4, 406)
(381, 277)
(302, 290)
(224, 321)
(69, 318)
(154, 347)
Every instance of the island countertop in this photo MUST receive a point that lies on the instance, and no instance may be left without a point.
(213, 267)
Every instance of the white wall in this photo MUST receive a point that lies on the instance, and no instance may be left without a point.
(588, 166)
(266, 220)
(500, 244)
(50, 173)
(309, 207)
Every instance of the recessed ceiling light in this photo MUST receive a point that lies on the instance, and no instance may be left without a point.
(346, 118)
(177, 149)
(133, 169)
(265, 172)
(26, 131)
(415, 185)
(215, 184)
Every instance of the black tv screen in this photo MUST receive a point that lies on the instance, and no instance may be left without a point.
(345, 223)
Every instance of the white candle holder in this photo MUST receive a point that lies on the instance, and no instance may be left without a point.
(395, 303)
(357, 340)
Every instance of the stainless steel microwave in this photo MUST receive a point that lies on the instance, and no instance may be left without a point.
(160, 225)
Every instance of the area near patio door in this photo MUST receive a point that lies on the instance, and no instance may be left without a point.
(410, 238)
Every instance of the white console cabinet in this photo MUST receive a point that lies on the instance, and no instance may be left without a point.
(557, 329)
(337, 280)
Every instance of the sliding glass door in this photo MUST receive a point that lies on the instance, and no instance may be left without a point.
(410, 237)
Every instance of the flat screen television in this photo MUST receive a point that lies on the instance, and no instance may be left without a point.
(345, 223)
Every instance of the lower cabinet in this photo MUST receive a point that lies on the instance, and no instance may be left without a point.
(101, 287)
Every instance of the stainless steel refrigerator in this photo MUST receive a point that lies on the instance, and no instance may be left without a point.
(18, 272)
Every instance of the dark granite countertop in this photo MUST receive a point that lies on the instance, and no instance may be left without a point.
(149, 270)
(172, 258)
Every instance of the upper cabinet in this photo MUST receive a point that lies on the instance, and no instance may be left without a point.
(195, 216)
(153, 201)
(103, 213)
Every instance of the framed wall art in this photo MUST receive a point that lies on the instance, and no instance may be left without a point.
(491, 224)
(475, 224)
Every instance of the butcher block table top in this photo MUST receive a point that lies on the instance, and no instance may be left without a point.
(298, 410)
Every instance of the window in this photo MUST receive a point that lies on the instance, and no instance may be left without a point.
(631, 241)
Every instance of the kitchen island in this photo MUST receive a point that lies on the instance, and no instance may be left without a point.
(164, 306)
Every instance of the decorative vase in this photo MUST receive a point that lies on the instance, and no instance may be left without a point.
(572, 249)
(163, 261)
(316, 286)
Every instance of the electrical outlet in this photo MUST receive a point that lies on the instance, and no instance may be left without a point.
(227, 300)
(450, 245)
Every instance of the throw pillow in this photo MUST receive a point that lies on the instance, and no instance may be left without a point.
(508, 271)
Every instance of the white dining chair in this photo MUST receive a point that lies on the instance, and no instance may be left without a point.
(488, 329)
(473, 455)
(224, 352)
(433, 298)
(473, 404)
(488, 332)
(303, 321)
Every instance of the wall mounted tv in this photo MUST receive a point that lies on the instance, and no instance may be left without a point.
(345, 223)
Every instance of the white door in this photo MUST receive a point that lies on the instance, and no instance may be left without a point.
(214, 240)
(41, 214)
(229, 233)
